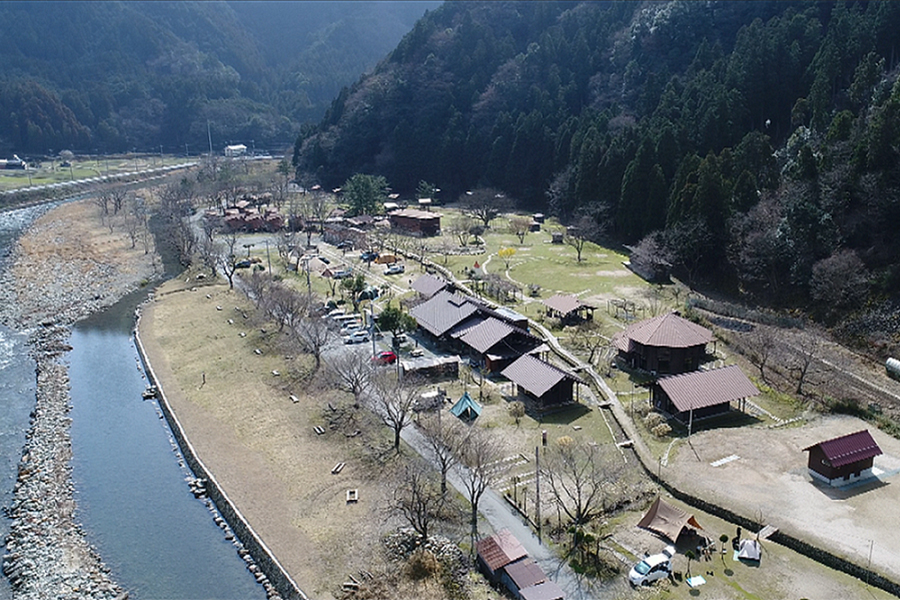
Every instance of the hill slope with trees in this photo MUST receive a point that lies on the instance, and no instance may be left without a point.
(114, 76)
(753, 146)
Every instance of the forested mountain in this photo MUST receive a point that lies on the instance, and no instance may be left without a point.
(113, 76)
(753, 143)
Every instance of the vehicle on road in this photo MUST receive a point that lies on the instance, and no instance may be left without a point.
(394, 269)
(351, 327)
(357, 337)
(652, 568)
(385, 357)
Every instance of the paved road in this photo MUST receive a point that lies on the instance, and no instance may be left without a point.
(500, 515)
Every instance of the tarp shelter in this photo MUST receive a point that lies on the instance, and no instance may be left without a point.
(749, 550)
(667, 520)
(466, 408)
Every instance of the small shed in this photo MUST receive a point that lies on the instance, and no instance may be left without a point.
(569, 309)
(497, 551)
(844, 459)
(466, 408)
(542, 591)
(522, 574)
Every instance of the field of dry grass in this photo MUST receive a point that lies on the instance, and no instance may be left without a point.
(260, 444)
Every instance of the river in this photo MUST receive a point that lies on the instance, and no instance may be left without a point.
(130, 483)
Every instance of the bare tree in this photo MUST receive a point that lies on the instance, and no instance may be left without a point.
(481, 454)
(461, 227)
(443, 440)
(350, 371)
(418, 498)
(581, 477)
(584, 230)
(588, 337)
(226, 257)
(313, 334)
(761, 344)
(520, 226)
(484, 204)
(804, 362)
(286, 305)
(393, 398)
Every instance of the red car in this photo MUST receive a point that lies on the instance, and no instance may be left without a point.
(385, 357)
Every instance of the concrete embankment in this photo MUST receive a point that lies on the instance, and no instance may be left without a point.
(259, 558)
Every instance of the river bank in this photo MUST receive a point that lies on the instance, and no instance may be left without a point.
(62, 269)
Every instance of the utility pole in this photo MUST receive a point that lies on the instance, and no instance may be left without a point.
(268, 260)
(537, 487)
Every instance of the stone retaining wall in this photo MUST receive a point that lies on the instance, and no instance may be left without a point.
(280, 580)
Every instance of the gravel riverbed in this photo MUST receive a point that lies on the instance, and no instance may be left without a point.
(63, 268)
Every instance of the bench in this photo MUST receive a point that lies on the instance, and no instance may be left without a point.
(319, 430)
(337, 468)
(352, 496)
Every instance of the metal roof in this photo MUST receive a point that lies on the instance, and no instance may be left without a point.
(563, 304)
(442, 312)
(500, 549)
(542, 591)
(535, 375)
(428, 285)
(525, 573)
(849, 448)
(486, 335)
(667, 331)
(699, 389)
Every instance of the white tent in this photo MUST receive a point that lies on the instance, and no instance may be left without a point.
(749, 550)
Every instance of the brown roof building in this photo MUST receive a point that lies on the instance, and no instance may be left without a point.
(416, 222)
(443, 311)
(428, 285)
(497, 551)
(496, 343)
(567, 308)
(844, 459)
(665, 344)
(702, 393)
(542, 381)
(522, 574)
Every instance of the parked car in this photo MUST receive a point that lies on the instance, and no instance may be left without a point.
(324, 259)
(368, 256)
(351, 327)
(357, 337)
(243, 264)
(394, 269)
(345, 245)
(385, 357)
(342, 274)
(657, 566)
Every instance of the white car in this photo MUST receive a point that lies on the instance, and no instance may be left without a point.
(394, 269)
(357, 337)
(351, 327)
(657, 566)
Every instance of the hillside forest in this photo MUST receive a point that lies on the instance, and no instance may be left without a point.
(748, 147)
(106, 77)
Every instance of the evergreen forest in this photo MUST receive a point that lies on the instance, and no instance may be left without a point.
(750, 147)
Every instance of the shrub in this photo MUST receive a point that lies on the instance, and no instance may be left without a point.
(661, 430)
(652, 420)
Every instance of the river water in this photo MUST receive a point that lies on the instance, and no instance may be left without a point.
(130, 484)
